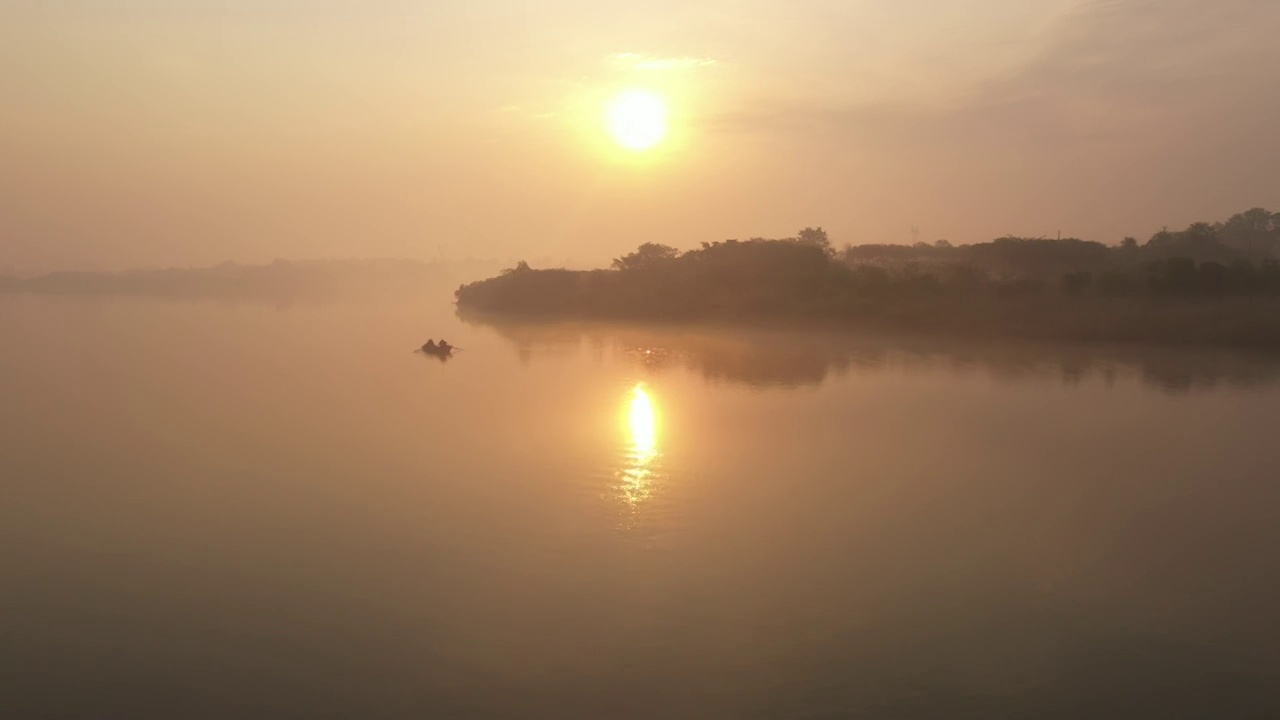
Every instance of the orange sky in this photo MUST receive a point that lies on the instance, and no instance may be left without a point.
(149, 132)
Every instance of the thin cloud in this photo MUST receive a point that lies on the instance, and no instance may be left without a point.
(1113, 72)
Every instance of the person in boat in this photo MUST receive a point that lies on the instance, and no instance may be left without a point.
(444, 346)
(430, 345)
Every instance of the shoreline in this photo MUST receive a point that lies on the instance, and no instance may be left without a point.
(1241, 324)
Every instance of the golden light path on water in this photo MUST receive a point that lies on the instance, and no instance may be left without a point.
(642, 423)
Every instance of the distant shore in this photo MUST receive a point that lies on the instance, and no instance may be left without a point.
(796, 284)
(278, 281)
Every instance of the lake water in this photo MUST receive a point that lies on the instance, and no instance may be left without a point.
(214, 510)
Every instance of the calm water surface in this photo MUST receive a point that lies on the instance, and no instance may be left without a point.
(241, 511)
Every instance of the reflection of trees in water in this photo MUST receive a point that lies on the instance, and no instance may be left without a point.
(732, 360)
(1171, 369)
(764, 358)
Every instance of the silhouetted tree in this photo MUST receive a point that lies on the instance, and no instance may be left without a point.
(1254, 231)
(814, 236)
(1200, 241)
(647, 255)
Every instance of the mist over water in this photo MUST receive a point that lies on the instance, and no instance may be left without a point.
(878, 359)
(219, 509)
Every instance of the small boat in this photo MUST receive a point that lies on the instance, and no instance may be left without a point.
(437, 350)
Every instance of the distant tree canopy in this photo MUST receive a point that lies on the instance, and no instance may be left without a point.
(1007, 257)
(1199, 241)
(924, 285)
(648, 255)
(1253, 234)
(814, 236)
(1255, 231)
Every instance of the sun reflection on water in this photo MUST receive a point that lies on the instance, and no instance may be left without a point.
(638, 475)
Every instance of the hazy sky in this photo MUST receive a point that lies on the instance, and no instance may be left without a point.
(158, 132)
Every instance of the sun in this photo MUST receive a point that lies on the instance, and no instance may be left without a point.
(637, 119)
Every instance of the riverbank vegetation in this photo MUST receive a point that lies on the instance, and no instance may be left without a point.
(1210, 283)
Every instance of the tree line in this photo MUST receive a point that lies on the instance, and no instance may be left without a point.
(1233, 257)
(1053, 288)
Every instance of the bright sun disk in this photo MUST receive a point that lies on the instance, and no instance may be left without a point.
(637, 120)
